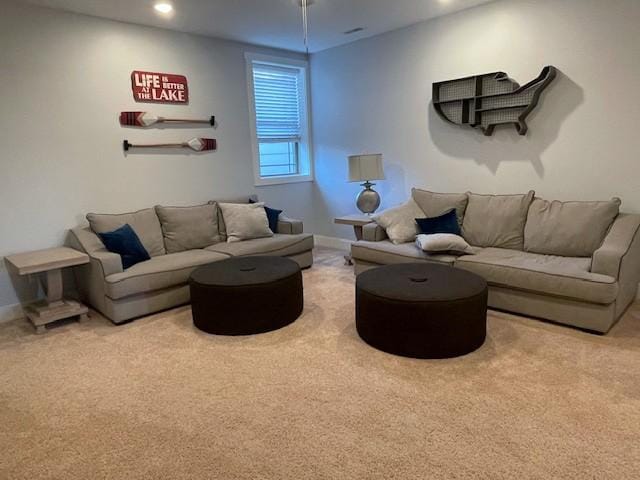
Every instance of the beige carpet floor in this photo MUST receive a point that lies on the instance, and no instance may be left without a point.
(158, 399)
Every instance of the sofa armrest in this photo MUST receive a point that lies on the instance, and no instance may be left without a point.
(289, 225)
(620, 246)
(372, 232)
(83, 239)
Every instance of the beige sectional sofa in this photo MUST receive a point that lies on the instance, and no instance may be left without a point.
(170, 235)
(576, 263)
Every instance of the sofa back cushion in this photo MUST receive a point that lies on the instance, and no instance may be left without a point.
(188, 228)
(570, 229)
(144, 222)
(222, 228)
(496, 220)
(400, 222)
(434, 204)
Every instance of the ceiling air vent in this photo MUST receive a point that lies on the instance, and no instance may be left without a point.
(353, 30)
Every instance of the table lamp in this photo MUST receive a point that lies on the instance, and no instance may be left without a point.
(364, 168)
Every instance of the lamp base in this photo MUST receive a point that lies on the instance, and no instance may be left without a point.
(368, 199)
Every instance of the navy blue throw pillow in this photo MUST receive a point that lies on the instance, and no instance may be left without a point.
(272, 216)
(445, 223)
(125, 243)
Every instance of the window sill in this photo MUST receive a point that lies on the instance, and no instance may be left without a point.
(264, 182)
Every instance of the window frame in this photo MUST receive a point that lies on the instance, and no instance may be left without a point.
(295, 154)
(305, 150)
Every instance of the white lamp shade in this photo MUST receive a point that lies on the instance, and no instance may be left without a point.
(365, 167)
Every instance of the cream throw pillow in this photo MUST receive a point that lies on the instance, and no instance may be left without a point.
(244, 221)
(443, 243)
(400, 222)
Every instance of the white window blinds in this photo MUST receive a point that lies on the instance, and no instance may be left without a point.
(277, 103)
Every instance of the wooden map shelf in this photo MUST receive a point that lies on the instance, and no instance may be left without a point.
(490, 99)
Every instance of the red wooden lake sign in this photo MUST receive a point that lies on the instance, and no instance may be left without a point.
(159, 87)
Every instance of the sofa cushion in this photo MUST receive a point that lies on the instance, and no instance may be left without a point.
(400, 222)
(385, 252)
(573, 229)
(222, 229)
(445, 223)
(144, 222)
(273, 215)
(567, 277)
(496, 220)
(434, 204)
(245, 222)
(188, 228)
(278, 245)
(443, 243)
(160, 272)
(125, 243)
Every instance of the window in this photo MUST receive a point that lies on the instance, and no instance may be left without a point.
(279, 119)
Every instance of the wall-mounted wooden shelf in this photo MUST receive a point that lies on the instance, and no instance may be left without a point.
(499, 108)
(490, 99)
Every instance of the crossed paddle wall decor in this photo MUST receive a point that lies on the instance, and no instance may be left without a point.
(145, 119)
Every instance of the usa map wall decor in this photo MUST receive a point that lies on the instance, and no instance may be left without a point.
(490, 99)
(159, 87)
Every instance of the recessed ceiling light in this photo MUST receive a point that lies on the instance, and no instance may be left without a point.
(163, 7)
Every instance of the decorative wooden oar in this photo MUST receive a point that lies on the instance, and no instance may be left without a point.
(197, 144)
(145, 119)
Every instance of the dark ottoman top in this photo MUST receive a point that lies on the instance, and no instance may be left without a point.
(245, 271)
(421, 310)
(246, 295)
(420, 282)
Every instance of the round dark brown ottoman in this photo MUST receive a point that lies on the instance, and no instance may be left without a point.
(243, 296)
(421, 310)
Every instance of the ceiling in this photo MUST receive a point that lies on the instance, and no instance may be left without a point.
(273, 23)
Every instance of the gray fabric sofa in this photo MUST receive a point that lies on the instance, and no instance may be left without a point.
(575, 263)
(162, 282)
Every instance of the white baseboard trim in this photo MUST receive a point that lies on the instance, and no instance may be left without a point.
(332, 242)
(11, 312)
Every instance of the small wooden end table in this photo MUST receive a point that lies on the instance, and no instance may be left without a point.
(357, 221)
(49, 263)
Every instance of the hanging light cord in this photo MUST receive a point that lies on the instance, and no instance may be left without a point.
(305, 26)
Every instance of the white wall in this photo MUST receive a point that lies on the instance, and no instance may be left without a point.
(63, 80)
(374, 96)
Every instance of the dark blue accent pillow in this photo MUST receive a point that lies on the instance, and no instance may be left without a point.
(272, 216)
(125, 243)
(445, 223)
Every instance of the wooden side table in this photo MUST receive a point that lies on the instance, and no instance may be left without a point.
(357, 221)
(49, 264)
